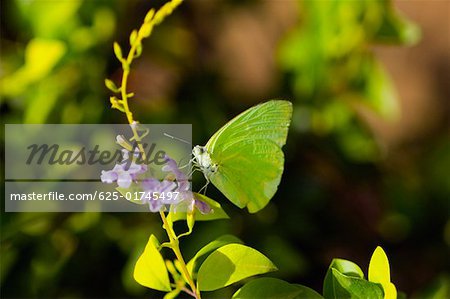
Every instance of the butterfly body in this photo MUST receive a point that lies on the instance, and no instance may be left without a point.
(203, 160)
(244, 159)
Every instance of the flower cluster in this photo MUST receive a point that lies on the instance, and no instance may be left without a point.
(183, 186)
(123, 173)
(127, 171)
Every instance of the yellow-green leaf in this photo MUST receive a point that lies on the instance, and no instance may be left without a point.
(208, 248)
(268, 287)
(379, 272)
(216, 213)
(150, 270)
(229, 264)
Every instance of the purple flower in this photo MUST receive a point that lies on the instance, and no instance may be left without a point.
(184, 188)
(187, 205)
(203, 207)
(171, 166)
(182, 180)
(180, 185)
(126, 154)
(157, 193)
(122, 174)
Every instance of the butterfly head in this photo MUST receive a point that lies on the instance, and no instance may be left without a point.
(203, 160)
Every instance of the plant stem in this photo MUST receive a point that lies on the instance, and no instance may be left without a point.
(176, 249)
(157, 18)
(187, 291)
(126, 65)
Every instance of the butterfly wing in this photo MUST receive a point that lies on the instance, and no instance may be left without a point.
(269, 120)
(247, 151)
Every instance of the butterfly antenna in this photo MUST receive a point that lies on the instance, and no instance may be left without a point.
(176, 138)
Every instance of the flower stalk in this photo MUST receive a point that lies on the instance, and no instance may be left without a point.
(152, 19)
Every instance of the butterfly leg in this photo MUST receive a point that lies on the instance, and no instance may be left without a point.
(205, 187)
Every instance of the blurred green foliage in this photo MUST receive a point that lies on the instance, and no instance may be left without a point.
(47, 79)
(333, 71)
(339, 197)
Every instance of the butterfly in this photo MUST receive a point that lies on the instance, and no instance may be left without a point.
(243, 159)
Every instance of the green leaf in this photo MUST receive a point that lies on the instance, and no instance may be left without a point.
(379, 272)
(229, 264)
(379, 267)
(274, 289)
(150, 270)
(208, 248)
(346, 286)
(190, 217)
(345, 279)
(347, 267)
(307, 292)
(217, 211)
(331, 288)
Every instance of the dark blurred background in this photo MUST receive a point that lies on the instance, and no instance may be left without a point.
(367, 158)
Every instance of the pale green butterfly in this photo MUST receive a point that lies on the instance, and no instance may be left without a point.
(243, 159)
